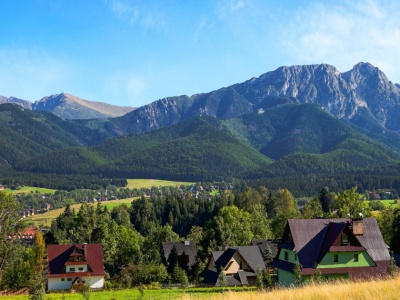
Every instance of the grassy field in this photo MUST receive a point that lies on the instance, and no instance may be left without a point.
(148, 183)
(131, 294)
(368, 290)
(341, 290)
(30, 189)
(46, 218)
(388, 203)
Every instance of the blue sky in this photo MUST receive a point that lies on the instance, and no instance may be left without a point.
(132, 52)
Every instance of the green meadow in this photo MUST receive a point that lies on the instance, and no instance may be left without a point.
(30, 189)
(150, 294)
(148, 183)
(46, 218)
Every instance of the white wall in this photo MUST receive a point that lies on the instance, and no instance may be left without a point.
(96, 282)
(57, 284)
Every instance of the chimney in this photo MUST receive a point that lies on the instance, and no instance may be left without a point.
(358, 226)
(84, 249)
(187, 243)
(225, 247)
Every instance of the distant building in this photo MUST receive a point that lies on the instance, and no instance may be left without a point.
(71, 266)
(185, 253)
(26, 236)
(335, 248)
(239, 264)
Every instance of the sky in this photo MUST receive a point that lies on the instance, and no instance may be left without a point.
(133, 52)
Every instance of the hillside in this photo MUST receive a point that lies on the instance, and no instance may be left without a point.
(282, 141)
(192, 150)
(26, 134)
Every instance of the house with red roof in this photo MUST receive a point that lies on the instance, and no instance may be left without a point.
(71, 266)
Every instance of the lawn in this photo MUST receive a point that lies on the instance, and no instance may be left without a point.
(389, 203)
(148, 183)
(150, 294)
(46, 218)
(378, 288)
(30, 189)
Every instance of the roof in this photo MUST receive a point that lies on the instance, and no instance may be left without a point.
(250, 254)
(187, 247)
(262, 244)
(58, 255)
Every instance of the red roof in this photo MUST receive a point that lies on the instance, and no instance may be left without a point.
(58, 255)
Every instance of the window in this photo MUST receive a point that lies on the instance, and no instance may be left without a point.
(69, 279)
(345, 238)
(72, 269)
(286, 255)
(295, 256)
(335, 258)
(81, 269)
(62, 279)
(355, 256)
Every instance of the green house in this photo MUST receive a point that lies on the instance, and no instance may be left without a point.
(333, 248)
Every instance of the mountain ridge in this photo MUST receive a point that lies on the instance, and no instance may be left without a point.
(70, 107)
(363, 90)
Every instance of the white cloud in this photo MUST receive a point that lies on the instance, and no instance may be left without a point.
(344, 34)
(144, 13)
(236, 5)
(135, 86)
(227, 7)
(127, 85)
(31, 74)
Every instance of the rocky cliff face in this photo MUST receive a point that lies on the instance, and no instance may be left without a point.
(361, 95)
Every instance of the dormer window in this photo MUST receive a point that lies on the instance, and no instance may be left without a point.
(345, 239)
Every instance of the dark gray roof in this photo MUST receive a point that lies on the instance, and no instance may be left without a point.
(188, 247)
(252, 255)
(262, 244)
(373, 241)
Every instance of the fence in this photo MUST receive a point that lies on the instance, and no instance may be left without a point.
(12, 292)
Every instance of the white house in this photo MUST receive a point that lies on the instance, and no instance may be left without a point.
(71, 266)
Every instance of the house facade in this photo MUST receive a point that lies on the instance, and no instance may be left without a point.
(239, 264)
(332, 248)
(71, 266)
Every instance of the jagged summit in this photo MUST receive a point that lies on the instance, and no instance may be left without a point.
(360, 93)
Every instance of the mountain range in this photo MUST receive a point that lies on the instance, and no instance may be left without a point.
(292, 122)
(70, 107)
